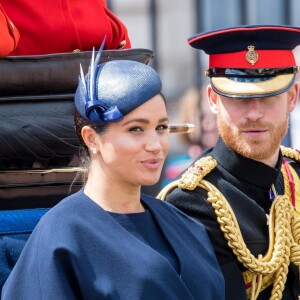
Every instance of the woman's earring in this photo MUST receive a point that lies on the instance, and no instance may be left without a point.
(94, 150)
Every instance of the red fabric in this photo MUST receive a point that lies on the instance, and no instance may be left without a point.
(291, 182)
(9, 34)
(59, 26)
(266, 59)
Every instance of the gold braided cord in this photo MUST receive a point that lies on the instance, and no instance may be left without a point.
(256, 286)
(284, 229)
(277, 258)
(229, 225)
(290, 152)
(295, 251)
(295, 225)
(167, 189)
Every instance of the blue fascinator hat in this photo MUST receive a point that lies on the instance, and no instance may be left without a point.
(112, 89)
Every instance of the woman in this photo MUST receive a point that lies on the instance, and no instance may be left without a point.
(109, 241)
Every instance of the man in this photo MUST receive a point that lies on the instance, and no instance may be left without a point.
(246, 189)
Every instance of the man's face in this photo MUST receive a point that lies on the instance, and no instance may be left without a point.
(254, 127)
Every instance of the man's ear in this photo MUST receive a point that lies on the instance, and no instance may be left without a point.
(293, 94)
(89, 137)
(212, 99)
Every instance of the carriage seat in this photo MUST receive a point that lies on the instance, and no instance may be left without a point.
(15, 229)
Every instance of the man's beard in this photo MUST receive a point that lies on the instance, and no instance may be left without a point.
(254, 148)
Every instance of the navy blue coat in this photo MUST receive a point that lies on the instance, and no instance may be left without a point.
(79, 251)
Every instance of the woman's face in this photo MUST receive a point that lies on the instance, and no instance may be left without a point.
(133, 150)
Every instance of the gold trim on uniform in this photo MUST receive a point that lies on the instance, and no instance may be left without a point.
(284, 228)
(192, 177)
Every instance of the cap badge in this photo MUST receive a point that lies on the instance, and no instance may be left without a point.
(251, 55)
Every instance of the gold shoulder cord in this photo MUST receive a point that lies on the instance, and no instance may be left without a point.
(284, 230)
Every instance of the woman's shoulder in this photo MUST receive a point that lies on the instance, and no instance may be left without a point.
(166, 207)
(68, 211)
(71, 203)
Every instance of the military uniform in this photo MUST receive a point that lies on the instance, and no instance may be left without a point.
(245, 184)
(64, 26)
(249, 207)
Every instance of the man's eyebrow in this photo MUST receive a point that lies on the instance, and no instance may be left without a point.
(145, 121)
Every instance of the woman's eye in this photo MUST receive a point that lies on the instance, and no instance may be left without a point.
(162, 127)
(136, 129)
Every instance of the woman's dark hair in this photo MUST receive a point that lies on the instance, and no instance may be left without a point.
(80, 122)
(83, 153)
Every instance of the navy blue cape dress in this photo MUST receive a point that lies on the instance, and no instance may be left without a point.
(79, 251)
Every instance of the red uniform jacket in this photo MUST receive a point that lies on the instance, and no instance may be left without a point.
(59, 26)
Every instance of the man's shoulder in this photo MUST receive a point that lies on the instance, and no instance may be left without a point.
(292, 156)
(187, 189)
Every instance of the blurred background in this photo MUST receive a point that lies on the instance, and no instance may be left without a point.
(164, 27)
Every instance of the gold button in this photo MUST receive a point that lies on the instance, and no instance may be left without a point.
(122, 44)
(12, 25)
(76, 50)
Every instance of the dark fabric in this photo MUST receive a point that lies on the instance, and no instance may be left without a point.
(23, 189)
(79, 251)
(234, 289)
(264, 37)
(15, 228)
(245, 183)
(143, 226)
(53, 74)
(37, 105)
(11, 247)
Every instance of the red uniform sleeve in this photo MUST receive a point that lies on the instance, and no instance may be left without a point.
(66, 27)
(120, 38)
(9, 34)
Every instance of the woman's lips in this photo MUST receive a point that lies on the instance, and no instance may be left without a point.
(152, 163)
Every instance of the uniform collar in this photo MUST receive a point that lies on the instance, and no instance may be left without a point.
(246, 169)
